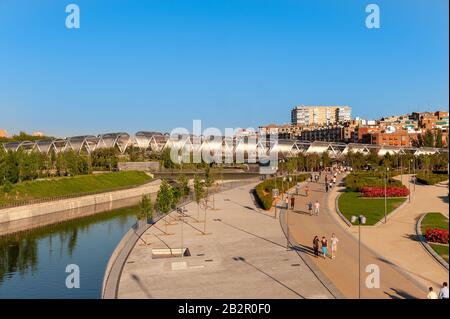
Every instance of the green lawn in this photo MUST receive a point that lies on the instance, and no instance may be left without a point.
(434, 220)
(351, 203)
(441, 250)
(72, 186)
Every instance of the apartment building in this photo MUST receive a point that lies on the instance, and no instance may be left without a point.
(320, 115)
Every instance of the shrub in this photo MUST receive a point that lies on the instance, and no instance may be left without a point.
(7, 187)
(263, 191)
(431, 179)
(436, 235)
(357, 180)
(391, 191)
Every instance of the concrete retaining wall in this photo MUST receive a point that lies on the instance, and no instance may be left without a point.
(20, 218)
(138, 166)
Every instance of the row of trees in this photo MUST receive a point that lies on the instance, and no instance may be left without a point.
(358, 161)
(20, 166)
(430, 140)
(168, 197)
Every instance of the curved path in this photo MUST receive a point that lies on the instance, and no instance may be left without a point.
(343, 271)
(397, 239)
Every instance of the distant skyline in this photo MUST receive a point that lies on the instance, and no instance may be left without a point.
(160, 64)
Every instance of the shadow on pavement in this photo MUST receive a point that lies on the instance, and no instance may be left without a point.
(399, 294)
(271, 277)
(444, 198)
(141, 285)
(247, 232)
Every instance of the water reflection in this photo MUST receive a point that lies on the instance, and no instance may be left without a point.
(32, 263)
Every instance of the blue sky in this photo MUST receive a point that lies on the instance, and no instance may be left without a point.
(158, 64)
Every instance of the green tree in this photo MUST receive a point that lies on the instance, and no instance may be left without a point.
(429, 139)
(164, 199)
(439, 143)
(198, 193)
(146, 208)
(184, 185)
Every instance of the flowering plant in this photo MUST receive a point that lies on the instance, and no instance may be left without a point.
(392, 191)
(436, 235)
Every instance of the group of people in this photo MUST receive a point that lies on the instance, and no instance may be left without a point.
(316, 207)
(323, 245)
(330, 182)
(443, 293)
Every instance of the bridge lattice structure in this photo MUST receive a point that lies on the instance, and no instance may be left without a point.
(244, 146)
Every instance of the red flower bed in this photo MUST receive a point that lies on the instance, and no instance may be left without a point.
(392, 191)
(436, 235)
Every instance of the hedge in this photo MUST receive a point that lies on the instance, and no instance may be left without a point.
(432, 178)
(358, 180)
(264, 190)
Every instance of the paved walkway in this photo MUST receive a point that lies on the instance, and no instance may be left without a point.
(343, 271)
(243, 255)
(396, 240)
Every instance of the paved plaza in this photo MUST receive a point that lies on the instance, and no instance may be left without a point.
(243, 255)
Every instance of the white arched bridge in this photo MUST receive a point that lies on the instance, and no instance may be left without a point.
(245, 146)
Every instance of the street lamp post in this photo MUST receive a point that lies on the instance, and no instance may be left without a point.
(385, 195)
(409, 180)
(401, 169)
(181, 211)
(361, 219)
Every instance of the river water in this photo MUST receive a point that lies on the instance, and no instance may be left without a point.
(33, 263)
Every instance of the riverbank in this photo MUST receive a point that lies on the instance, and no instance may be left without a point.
(51, 189)
(16, 219)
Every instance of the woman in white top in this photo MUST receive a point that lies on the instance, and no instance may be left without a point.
(334, 241)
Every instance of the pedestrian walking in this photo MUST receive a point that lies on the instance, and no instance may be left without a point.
(443, 294)
(326, 187)
(431, 294)
(310, 207)
(306, 190)
(316, 246)
(317, 178)
(334, 243)
(286, 201)
(316, 207)
(334, 180)
(324, 243)
(292, 202)
(311, 178)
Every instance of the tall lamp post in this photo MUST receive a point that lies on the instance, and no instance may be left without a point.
(409, 180)
(182, 211)
(361, 219)
(385, 195)
(287, 217)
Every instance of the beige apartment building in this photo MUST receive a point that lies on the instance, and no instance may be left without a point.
(320, 115)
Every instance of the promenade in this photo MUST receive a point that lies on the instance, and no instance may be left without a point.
(243, 255)
(344, 270)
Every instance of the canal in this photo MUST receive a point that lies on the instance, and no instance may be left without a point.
(33, 263)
